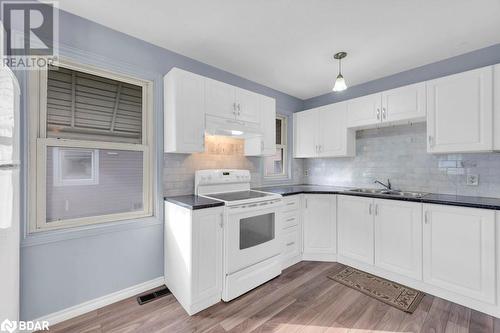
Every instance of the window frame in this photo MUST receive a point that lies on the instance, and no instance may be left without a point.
(39, 143)
(284, 146)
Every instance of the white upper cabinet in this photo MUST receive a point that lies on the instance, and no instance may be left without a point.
(355, 228)
(305, 124)
(225, 100)
(322, 132)
(398, 237)
(220, 99)
(404, 104)
(389, 107)
(459, 250)
(496, 107)
(364, 111)
(189, 98)
(268, 125)
(460, 112)
(247, 105)
(334, 138)
(264, 145)
(320, 226)
(184, 114)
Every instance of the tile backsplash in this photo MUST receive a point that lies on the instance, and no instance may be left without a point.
(399, 153)
(220, 153)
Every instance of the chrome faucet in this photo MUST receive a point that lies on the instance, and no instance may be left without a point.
(388, 186)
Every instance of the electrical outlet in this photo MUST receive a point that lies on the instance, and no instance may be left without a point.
(306, 172)
(472, 180)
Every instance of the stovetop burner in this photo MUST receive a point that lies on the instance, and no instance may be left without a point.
(240, 195)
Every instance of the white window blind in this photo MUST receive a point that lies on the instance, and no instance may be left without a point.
(88, 107)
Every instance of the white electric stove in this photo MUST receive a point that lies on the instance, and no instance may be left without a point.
(252, 247)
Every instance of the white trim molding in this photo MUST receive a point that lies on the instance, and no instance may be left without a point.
(97, 303)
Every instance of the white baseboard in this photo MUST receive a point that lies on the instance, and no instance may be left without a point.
(97, 303)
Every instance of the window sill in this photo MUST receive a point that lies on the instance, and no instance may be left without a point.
(59, 235)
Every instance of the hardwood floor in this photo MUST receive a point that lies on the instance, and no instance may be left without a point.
(302, 299)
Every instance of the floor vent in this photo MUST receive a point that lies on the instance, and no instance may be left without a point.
(152, 296)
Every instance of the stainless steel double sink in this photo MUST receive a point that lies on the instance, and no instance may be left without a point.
(389, 192)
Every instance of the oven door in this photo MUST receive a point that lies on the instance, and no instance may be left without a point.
(252, 235)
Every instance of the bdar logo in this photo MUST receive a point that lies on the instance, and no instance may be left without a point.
(8, 326)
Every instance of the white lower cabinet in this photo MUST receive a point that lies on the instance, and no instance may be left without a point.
(320, 227)
(193, 256)
(459, 251)
(384, 233)
(291, 233)
(355, 223)
(291, 238)
(398, 237)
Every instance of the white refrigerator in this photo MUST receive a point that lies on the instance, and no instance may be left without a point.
(9, 196)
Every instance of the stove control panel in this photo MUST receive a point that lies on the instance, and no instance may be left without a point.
(222, 176)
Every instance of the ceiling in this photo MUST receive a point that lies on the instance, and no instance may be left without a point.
(288, 44)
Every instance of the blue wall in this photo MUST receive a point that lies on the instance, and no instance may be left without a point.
(61, 269)
(479, 58)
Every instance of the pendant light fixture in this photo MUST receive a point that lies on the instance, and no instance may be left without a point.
(340, 84)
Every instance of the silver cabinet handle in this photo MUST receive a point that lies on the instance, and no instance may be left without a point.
(234, 108)
(239, 109)
(290, 203)
(221, 222)
(431, 141)
(378, 113)
(290, 219)
(426, 217)
(384, 113)
(370, 209)
(306, 203)
(290, 243)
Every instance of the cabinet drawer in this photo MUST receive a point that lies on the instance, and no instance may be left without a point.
(291, 240)
(290, 219)
(291, 202)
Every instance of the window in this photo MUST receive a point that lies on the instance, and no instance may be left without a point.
(73, 166)
(90, 147)
(276, 165)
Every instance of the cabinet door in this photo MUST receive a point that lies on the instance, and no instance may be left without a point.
(219, 99)
(334, 137)
(496, 107)
(184, 112)
(305, 133)
(248, 105)
(398, 237)
(459, 250)
(319, 223)
(207, 253)
(460, 112)
(405, 103)
(364, 111)
(268, 125)
(355, 234)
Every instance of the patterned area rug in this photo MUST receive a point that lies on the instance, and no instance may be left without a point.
(391, 293)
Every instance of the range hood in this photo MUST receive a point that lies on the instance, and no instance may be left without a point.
(231, 127)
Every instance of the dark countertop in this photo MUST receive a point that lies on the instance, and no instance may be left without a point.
(194, 201)
(441, 199)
